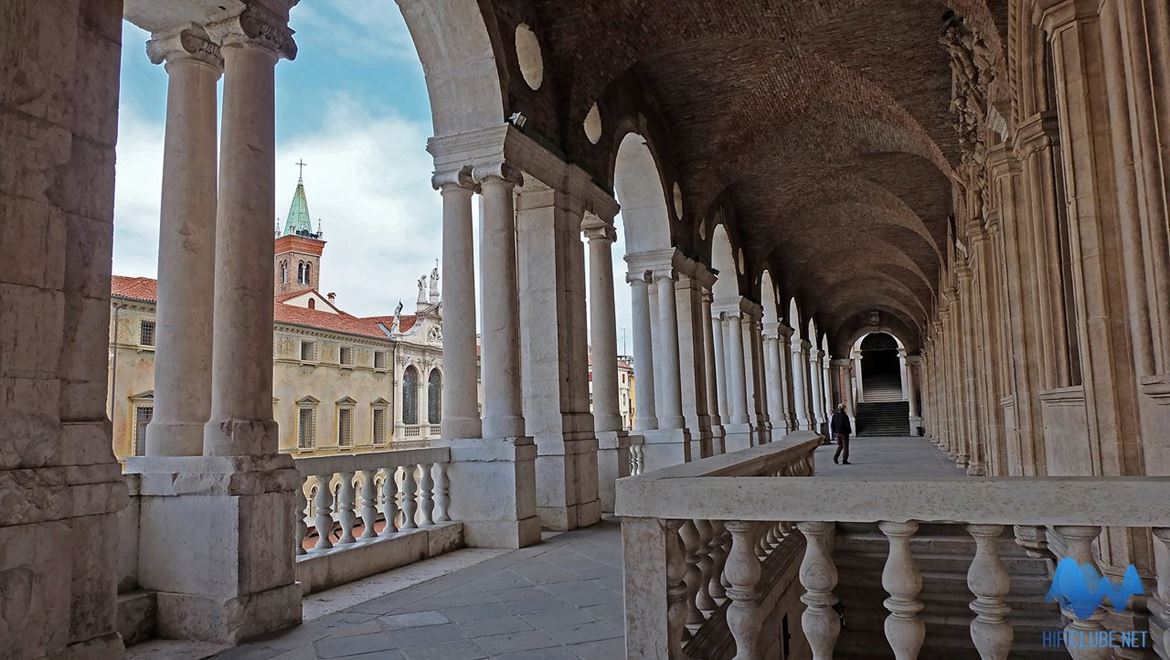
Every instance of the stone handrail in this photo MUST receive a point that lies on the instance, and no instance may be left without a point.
(728, 495)
(403, 489)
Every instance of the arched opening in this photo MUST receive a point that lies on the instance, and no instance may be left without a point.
(312, 303)
(435, 397)
(638, 186)
(410, 396)
(726, 287)
(309, 274)
(881, 369)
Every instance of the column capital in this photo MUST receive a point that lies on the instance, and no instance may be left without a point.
(783, 332)
(703, 275)
(459, 177)
(596, 228)
(634, 277)
(496, 169)
(256, 26)
(1036, 133)
(191, 43)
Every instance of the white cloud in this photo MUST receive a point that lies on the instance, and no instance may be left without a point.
(368, 177)
(354, 29)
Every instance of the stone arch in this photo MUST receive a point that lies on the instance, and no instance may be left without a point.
(768, 298)
(638, 187)
(459, 61)
(726, 287)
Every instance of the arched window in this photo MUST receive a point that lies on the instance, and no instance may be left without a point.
(312, 303)
(308, 273)
(300, 272)
(410, 396)
(435, 397)
(284, 272)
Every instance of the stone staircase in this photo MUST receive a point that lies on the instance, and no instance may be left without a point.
(942, 553)
(890, 418)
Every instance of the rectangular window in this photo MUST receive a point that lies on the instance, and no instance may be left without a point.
(308, 351)
(146, 333)
(142, 416)
(346, 355)
(306, 428)
(379, 426)
(344, 427)
(379, 359)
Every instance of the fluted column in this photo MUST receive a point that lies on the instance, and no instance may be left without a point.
(645, 416)
(500, 354)
(460, 373)
(737, 379)
(186, 250)
(799, 370)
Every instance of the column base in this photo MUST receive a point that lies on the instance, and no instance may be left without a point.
(566, 481)
(915, 425)
(665, 447)
(492, 490)
(175, 439)
(974, 470)
(613, 463)
(216, 543)
(718, 439)
(738, 438)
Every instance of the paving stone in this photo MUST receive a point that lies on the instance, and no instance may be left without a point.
(413, 620)
(520, 593)
(534, 605)
(582, 632)
(601, 650)
(351, 629)
(250, 652)
(524, 640)
(475, 612)
(426, 635)
(558, 619)
(341, 647)
(461, 650)
(539, 654)
(485, 627)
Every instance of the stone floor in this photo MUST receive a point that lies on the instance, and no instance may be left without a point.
(560, 599)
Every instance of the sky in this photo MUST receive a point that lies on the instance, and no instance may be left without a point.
(354, 106)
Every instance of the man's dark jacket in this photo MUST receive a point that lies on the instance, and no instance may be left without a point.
(840, 424)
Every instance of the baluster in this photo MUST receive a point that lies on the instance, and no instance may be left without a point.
(323, 501)
(406, 497)
(988, 579)
(818, 576)
(1079, 540)
(369, 504)
(300, 529)
(743, 573)
(426, 502)
(690, 539)
(676, 588)
(345, 502)
(442, 497)
(1160, 603)
(718, 561)
(905, 631)
(703, 598)
(389, 500)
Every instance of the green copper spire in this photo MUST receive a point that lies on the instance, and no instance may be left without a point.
(299, 221)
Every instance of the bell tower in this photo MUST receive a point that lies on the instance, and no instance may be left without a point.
(298, 247)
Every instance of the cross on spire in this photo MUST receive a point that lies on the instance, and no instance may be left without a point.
(301, 164)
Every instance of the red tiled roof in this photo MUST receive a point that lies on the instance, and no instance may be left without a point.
(134, 288)
(145, 289)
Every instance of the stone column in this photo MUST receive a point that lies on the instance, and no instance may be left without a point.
(645, 417)
(818, 389)
(692, 359)
(842, 385)
(912, 362)
(784, 350)
(719, 347)
(240, 494)
(186, 252)
(460, 368)
(857, 379)
(754, 367)
(739, 428)
(666, 352)
(612, 440)
(716, 398)
(902, 375)
(775, 380)
(493, 479)
(799, 388)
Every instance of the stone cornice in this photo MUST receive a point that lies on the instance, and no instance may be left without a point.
(1038, 132)
(486, 149)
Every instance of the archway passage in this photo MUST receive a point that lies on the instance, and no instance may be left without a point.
(881, 372)
(882, 408)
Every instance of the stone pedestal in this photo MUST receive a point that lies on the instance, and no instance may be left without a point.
(493, 491)
(665, 447)
(613, 463)
(216, 544)
(738, 436)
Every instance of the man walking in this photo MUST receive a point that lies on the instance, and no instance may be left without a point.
(840, 429)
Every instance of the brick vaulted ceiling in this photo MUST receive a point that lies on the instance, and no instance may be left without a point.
(824, 124)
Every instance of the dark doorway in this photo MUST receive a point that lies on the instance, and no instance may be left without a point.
(881, 371)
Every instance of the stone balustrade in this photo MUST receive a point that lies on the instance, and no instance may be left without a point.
(360, 514)
(711, 548)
